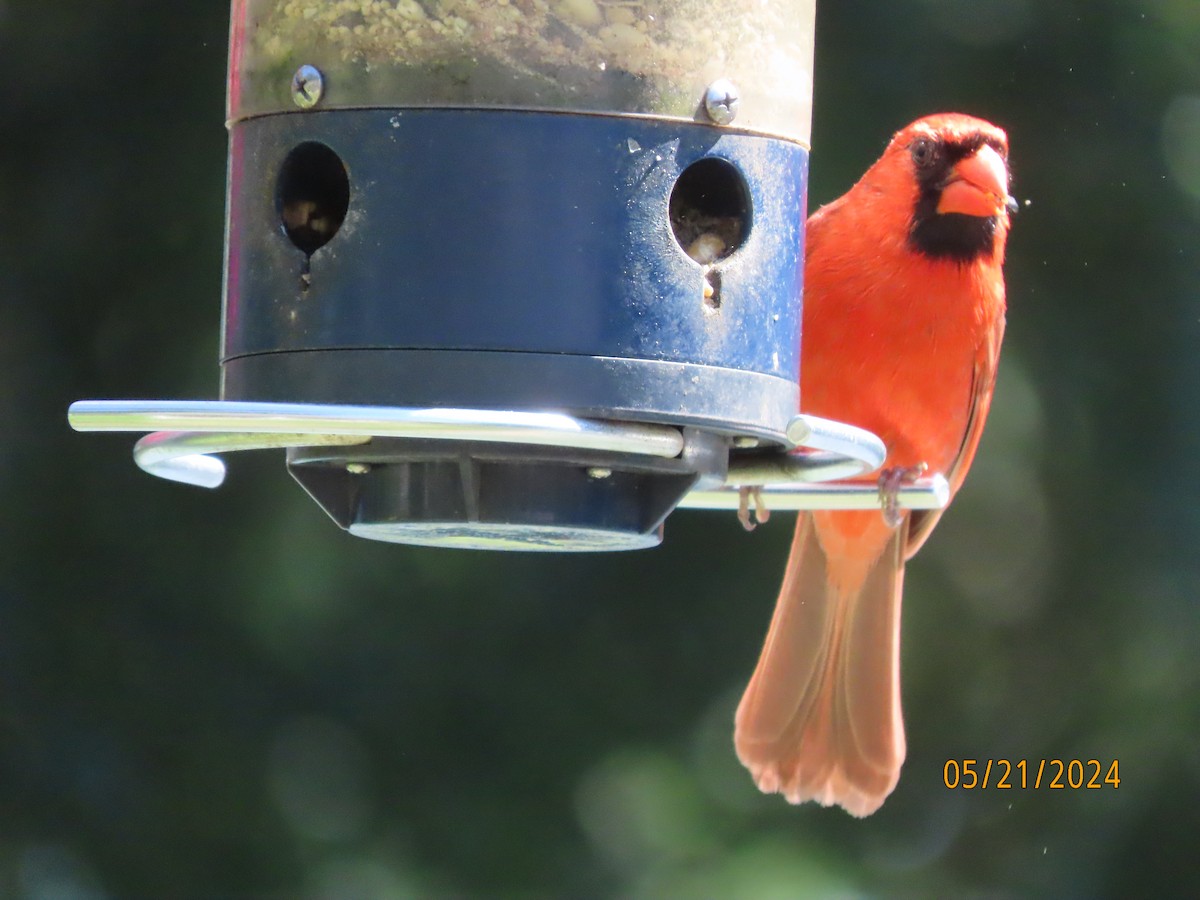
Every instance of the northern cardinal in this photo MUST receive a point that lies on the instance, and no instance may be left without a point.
(903, 316)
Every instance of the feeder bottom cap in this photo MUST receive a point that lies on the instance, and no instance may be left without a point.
(505, 536)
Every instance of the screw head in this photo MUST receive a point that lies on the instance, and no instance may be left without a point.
(308, 84)
(721, 101)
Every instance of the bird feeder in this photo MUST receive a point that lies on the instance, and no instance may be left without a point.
(516, 274)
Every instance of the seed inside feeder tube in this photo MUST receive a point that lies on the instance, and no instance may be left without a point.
(580, 12)
(706, 249)
(620, 56)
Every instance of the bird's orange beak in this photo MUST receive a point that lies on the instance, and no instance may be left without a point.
(978, 185)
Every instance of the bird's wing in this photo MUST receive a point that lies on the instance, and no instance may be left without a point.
(983, 382)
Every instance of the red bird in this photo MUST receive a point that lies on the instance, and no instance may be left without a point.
(903, 316)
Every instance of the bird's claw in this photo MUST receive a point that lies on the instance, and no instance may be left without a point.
(761, 514)
(890, 483)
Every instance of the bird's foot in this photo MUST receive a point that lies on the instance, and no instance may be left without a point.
(890, 483)
(761, 514)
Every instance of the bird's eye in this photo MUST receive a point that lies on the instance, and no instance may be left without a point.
(924, 152)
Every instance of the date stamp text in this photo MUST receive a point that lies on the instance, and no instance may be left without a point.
(1023, 774)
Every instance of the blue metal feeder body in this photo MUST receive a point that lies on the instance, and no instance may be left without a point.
(516, 260)
(527, 208)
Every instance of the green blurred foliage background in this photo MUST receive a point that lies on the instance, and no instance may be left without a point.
(219, 693)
